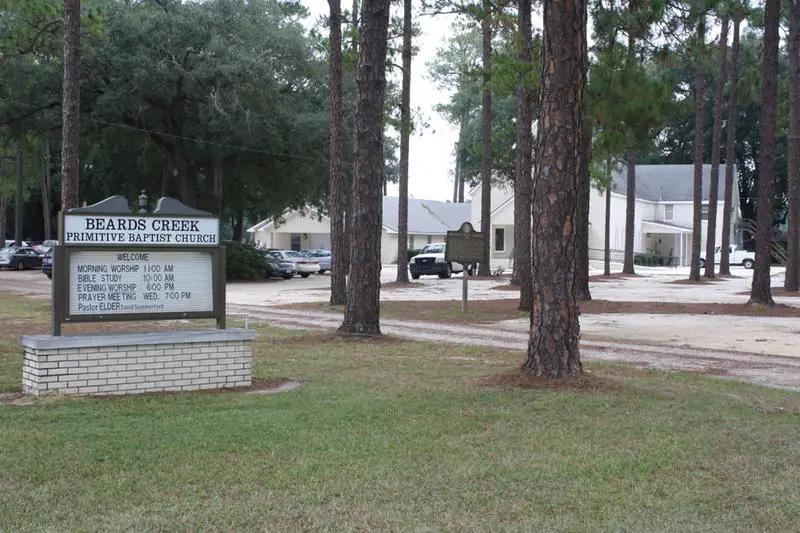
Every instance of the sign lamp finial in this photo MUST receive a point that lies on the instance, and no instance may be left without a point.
(143, 203)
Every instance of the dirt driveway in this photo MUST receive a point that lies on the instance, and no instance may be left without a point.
(757, 349)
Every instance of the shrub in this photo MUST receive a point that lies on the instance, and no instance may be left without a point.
(649, 260)
(412, 253)
(244, 261)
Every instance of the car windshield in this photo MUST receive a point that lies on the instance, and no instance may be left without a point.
(292, 254)
(433, 249)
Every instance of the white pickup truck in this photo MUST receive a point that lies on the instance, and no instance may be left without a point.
(736, 257)
(430, 261)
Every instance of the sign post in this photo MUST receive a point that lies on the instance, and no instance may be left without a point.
(464, 246)
(116, 264)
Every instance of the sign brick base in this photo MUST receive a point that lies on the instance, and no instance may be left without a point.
(137, 363)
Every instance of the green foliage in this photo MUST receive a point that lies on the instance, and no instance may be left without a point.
(457, 66)
(651, 259)
(675, 144)
(412, 253)
(244, 262)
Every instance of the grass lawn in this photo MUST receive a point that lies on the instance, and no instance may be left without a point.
(399, 436)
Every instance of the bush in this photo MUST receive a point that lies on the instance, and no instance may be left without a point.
(412, 253)
(650, 260)
(244, 261)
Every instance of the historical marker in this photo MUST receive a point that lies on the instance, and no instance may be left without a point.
(464, 246)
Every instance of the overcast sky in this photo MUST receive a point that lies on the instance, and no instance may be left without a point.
(431, 151)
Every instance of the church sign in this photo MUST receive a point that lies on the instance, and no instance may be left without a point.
(114, 264)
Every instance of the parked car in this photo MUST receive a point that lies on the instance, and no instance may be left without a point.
(47, 263)
(323, 256)
(735, 257)
(45, 246)
(305, 266)
(20, 258)
(430, 262)
(278, 267)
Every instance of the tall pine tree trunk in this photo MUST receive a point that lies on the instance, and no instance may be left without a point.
(584, 199)
(630, 197)
(70, 105)
(761, 292)
(582, 217)
(339, 256)
(405, 134)
(713, 190)
(792, 277)
(553, 346)
(348, 178)
(238, 225)
(697, 229)
(47, 188)
(19, 198)
(523, 180)
(607, 246)
(630, 211)
(2, 223)
(486, 156)
(730, 150)
(361, 316)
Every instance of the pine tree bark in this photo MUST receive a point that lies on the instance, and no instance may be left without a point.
(792, 277)
(2, 223)
(219, 174)
(697, 229)
(47, 207)
(486, 156)
(630, 164)
(362, 311)
(338, 254)
(630, 211)
(19, 198)
(761, 293)
(582, 217)
(607, 248)
(70, 105)
(405, 134)
(716, 148)
(238, 225)
(730, 150)
(553, 346)
(523, 180)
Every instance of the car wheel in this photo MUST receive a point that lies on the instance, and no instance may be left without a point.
(448, 271)
(748, 263)
(414, 276)
(702, 263)
(20, 265)
(288, 276)
(304, 275)
(49, 275)
(322, 271)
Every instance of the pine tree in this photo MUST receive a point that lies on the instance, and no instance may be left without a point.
(339, 256)
(761, 292)
(553, 346)
(70, 109)
(719, 105)
(362, 311)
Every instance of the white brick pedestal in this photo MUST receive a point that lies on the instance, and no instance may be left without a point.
(137, 363)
